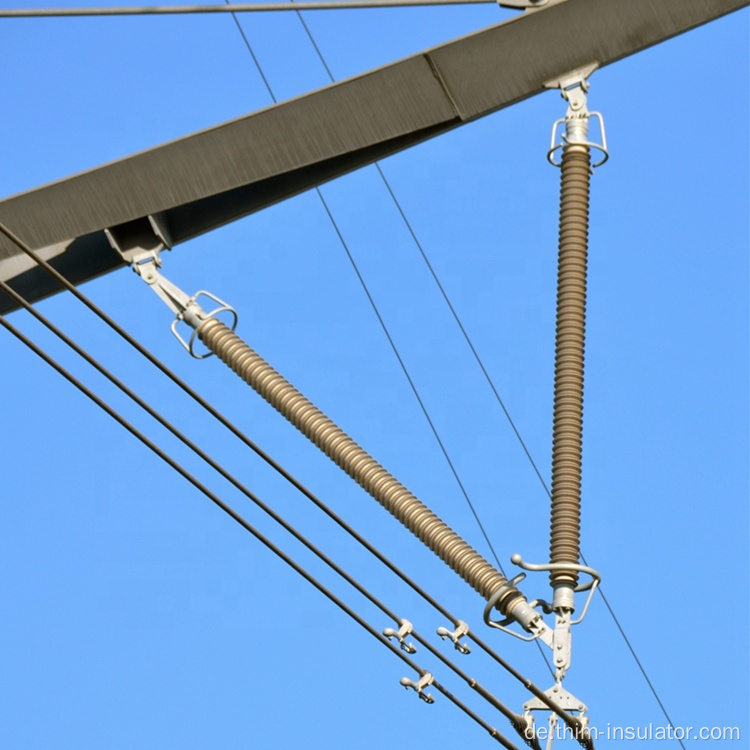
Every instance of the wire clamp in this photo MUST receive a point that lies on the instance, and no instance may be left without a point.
(573, 87)
(461, 630)
(425, 680)
(404, 630)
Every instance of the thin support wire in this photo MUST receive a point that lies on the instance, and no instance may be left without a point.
(490, 383)
(176, 466)
(460, 325)
(515, 719)
(66, 284)
(322, 59)
(262, 7)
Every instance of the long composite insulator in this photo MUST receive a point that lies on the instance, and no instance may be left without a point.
(367, 472)
(569, 355)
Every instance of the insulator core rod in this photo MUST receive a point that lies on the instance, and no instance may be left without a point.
(569, 361)
(358, 464)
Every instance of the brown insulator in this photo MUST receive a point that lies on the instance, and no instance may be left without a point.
(360, 466)
(569, 355)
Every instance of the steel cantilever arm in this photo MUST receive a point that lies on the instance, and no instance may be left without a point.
(200, 182)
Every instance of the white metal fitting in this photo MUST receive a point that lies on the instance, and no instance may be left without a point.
(564, 596)
(561, 643)
(425, 680)
(461, 630)
(400, 634)
(187, 309)
(573, 88)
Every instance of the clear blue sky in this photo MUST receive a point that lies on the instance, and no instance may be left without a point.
(136, 615)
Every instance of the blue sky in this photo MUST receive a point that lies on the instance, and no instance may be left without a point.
(137, 615)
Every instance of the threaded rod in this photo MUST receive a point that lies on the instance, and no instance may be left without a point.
(569, 357)
(349, 456)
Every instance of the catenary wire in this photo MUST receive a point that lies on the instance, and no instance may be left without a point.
(491, 384)
(176, 466)
(383, 325)
(515, 430)
(514, 718)
(262, 7)
(481, 366)
(374, 306)
(460, 325)
(66, 284)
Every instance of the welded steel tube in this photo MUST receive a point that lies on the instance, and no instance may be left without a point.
(569, 357)
(353, 459)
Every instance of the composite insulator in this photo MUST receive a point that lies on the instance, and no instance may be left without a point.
(359, 465)
(569, 362)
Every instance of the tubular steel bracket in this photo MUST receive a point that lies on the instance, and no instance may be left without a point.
(461, 630)
(404, 630)
(425, 680)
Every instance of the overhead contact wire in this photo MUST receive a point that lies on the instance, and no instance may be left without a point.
(258, 451)
(262, 7)
(490, 383)
(411, 231)
(383, 325)
(515, 719)
(442, 540)
(173, 464)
